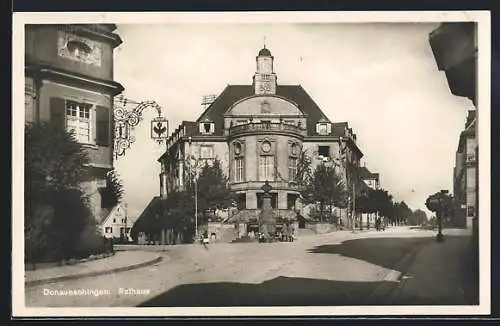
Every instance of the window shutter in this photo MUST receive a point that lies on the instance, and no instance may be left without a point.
(102, 126)
(58, 112)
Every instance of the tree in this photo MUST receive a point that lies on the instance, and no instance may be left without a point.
(213, 192)
(113, 193)
(383, 203)
(401, 212)
(304, 173)
(418, 217)
(326, 189)
(442, 204)
(56, 210)
(366, 201)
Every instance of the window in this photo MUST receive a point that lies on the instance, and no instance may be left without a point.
(78, 120)
(114, 220)
(290, 199)
(207, 127)
(324, 151)
(206, 152)
(292, 169)
(266, 168)
(122, 231)
(108, 230)
(124, 220)
(238, 169)
(323, 128)
(241, 201)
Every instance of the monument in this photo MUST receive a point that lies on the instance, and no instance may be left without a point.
(267, 223)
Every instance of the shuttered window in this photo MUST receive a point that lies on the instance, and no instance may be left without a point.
(58, 112)
(87, 124)
(78, 121)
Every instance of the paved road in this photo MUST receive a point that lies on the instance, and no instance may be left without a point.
(336, 269)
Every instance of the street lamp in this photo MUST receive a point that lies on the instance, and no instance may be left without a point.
(191, 165)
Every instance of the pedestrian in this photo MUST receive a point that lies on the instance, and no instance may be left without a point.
(205, 239)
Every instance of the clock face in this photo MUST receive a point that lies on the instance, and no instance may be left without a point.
(79, 49)
(266, 147)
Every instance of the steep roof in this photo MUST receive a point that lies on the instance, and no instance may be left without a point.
(366, 174)
(153, 208)
(233, 93)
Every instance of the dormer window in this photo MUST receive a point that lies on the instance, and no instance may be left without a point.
(323, 127)
(207, 127)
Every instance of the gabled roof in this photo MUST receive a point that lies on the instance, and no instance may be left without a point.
(233, 93)
(366, 174)
(153, 208)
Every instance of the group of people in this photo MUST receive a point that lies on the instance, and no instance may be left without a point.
(379, 224)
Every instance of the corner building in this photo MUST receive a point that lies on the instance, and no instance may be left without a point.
(69, 81)
(258, 131)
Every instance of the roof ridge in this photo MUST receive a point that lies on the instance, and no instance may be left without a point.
(211, 104)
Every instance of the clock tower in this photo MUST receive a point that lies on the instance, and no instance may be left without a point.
(264, 80)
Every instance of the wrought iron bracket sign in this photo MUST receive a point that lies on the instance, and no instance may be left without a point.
(126, 120)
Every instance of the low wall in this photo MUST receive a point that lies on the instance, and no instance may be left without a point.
(320, 228)
(221, 232)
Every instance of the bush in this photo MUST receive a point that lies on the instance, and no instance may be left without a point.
(90, 243)
(56, 210)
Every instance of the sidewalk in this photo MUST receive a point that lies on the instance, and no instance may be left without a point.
(121, 261)
(439, 274)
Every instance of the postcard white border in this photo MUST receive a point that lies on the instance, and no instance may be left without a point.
(484, 76)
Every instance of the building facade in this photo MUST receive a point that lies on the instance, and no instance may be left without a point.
(69, 81)
(464, 178)
(455, 50)
(258, 132)
(116, 224)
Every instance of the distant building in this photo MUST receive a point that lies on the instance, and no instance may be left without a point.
(258, 132)
(371, 180)
(116, 224)
(69, 81)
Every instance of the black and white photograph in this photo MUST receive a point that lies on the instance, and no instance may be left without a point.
(314, 163)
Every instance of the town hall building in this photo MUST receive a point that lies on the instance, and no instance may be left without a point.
(258, 132)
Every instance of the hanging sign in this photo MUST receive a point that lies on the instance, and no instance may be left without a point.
(159, 129)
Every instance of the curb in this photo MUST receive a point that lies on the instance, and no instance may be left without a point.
(91, 274)
(382, 292)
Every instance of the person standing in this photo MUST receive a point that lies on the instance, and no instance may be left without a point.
(205, 239)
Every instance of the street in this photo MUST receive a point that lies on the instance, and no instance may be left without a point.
(340, 268)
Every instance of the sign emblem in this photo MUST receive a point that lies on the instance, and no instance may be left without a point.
(159, 129)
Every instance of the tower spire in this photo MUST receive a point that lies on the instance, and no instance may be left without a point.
(264, 42)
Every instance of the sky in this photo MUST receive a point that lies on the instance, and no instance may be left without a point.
(379, 77)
